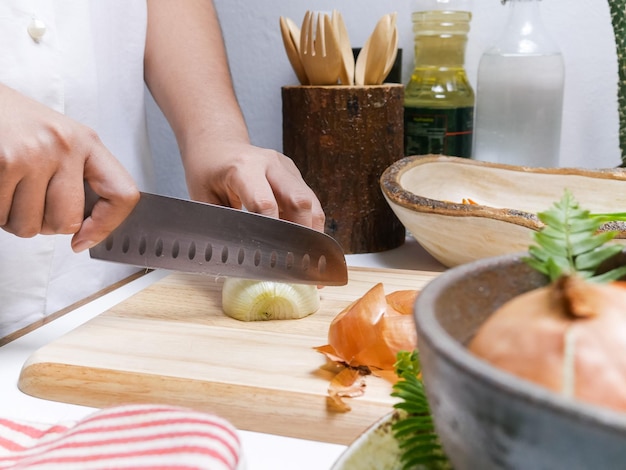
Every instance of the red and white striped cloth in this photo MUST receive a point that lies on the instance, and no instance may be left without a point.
(124, 437)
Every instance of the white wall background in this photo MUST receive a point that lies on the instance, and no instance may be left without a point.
(260, 67)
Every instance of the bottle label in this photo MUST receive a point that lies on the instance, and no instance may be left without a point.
(439, 131)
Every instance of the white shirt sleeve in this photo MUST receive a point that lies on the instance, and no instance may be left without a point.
(86, 61)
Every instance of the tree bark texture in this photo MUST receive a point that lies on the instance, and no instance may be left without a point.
(342, 139)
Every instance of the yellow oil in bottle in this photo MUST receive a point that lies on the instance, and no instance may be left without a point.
(439, 99)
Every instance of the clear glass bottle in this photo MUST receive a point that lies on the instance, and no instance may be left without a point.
(519, 93)
(439, 99)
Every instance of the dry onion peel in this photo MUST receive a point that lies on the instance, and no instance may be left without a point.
(367, 335)
(348, 383)
(402, 300)
(251, 300)
(369, 332)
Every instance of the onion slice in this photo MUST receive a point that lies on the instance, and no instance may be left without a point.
(251, 300)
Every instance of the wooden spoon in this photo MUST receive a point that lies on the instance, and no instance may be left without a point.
(392, 52)
(377, 52)
(291, 38)
(347, 69)
(359, 69)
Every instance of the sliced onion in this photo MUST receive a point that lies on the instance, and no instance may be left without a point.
(251, 300)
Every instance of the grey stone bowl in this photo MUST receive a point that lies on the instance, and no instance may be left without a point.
(485, 417)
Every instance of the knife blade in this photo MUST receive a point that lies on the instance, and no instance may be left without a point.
(190, 236)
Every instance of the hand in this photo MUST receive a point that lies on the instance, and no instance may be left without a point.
(187, 72)
(263, 181)
(45, 158)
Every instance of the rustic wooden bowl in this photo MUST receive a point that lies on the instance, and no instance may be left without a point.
(485, 417)
(426, 194)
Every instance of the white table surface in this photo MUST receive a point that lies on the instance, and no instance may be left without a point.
(262, 451)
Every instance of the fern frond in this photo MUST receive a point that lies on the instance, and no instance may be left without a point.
(571, 242)
(415, 432)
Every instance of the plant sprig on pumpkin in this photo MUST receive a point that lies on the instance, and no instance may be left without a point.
(571, 242)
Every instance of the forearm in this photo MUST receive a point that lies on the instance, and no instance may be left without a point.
(187, 72)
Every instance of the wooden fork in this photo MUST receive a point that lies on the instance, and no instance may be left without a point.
(320, 50)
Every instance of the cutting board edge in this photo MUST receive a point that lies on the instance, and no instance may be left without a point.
(294, 416)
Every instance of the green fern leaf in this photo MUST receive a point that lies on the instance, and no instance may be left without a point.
(591, 260)
(415, 432)
(571, 241)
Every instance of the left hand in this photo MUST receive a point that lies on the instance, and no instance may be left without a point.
(264, 181)
(187, 72)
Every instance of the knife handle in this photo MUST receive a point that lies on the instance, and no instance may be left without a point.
(91, 197)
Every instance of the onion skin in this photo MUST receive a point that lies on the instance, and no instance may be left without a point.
(403, 300)
(370, 332)
(351, 333)
(569, 336)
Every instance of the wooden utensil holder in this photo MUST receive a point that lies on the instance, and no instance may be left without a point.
(342, 139)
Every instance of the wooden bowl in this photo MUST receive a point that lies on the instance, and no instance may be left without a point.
(487, 418)
(426, 193)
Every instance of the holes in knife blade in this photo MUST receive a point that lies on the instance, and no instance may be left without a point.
(241, 256)
(175, 249)
(224, 254)
(306, 262)
(142, 245)
(158, 248)
(191, 253)
(257, 258)
(109, 244)
(273, 259)
(321, 264)
(289, 260)
(208, 252)
(125, 244)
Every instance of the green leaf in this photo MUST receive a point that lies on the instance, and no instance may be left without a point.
(583, 244)
(551, 245)
(591, 260)
(415, 432)
(609, 276)
(571, 241)
(590, 224)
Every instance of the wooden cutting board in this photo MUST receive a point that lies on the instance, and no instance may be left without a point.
(171, 343)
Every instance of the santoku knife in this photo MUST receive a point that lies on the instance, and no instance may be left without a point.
(182, 235)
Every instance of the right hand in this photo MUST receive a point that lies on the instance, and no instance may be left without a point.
(45, 159)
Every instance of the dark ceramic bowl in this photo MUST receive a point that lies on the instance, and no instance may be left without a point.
(485, 417)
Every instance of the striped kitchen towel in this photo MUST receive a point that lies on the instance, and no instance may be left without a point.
(124, 438)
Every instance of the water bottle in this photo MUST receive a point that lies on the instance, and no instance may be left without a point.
(519, 93)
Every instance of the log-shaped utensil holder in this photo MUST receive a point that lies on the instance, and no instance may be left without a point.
(342, 138)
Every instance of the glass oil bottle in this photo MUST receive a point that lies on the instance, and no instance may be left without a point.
(439, 99)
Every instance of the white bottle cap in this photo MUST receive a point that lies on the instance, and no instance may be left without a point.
(451, 5)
